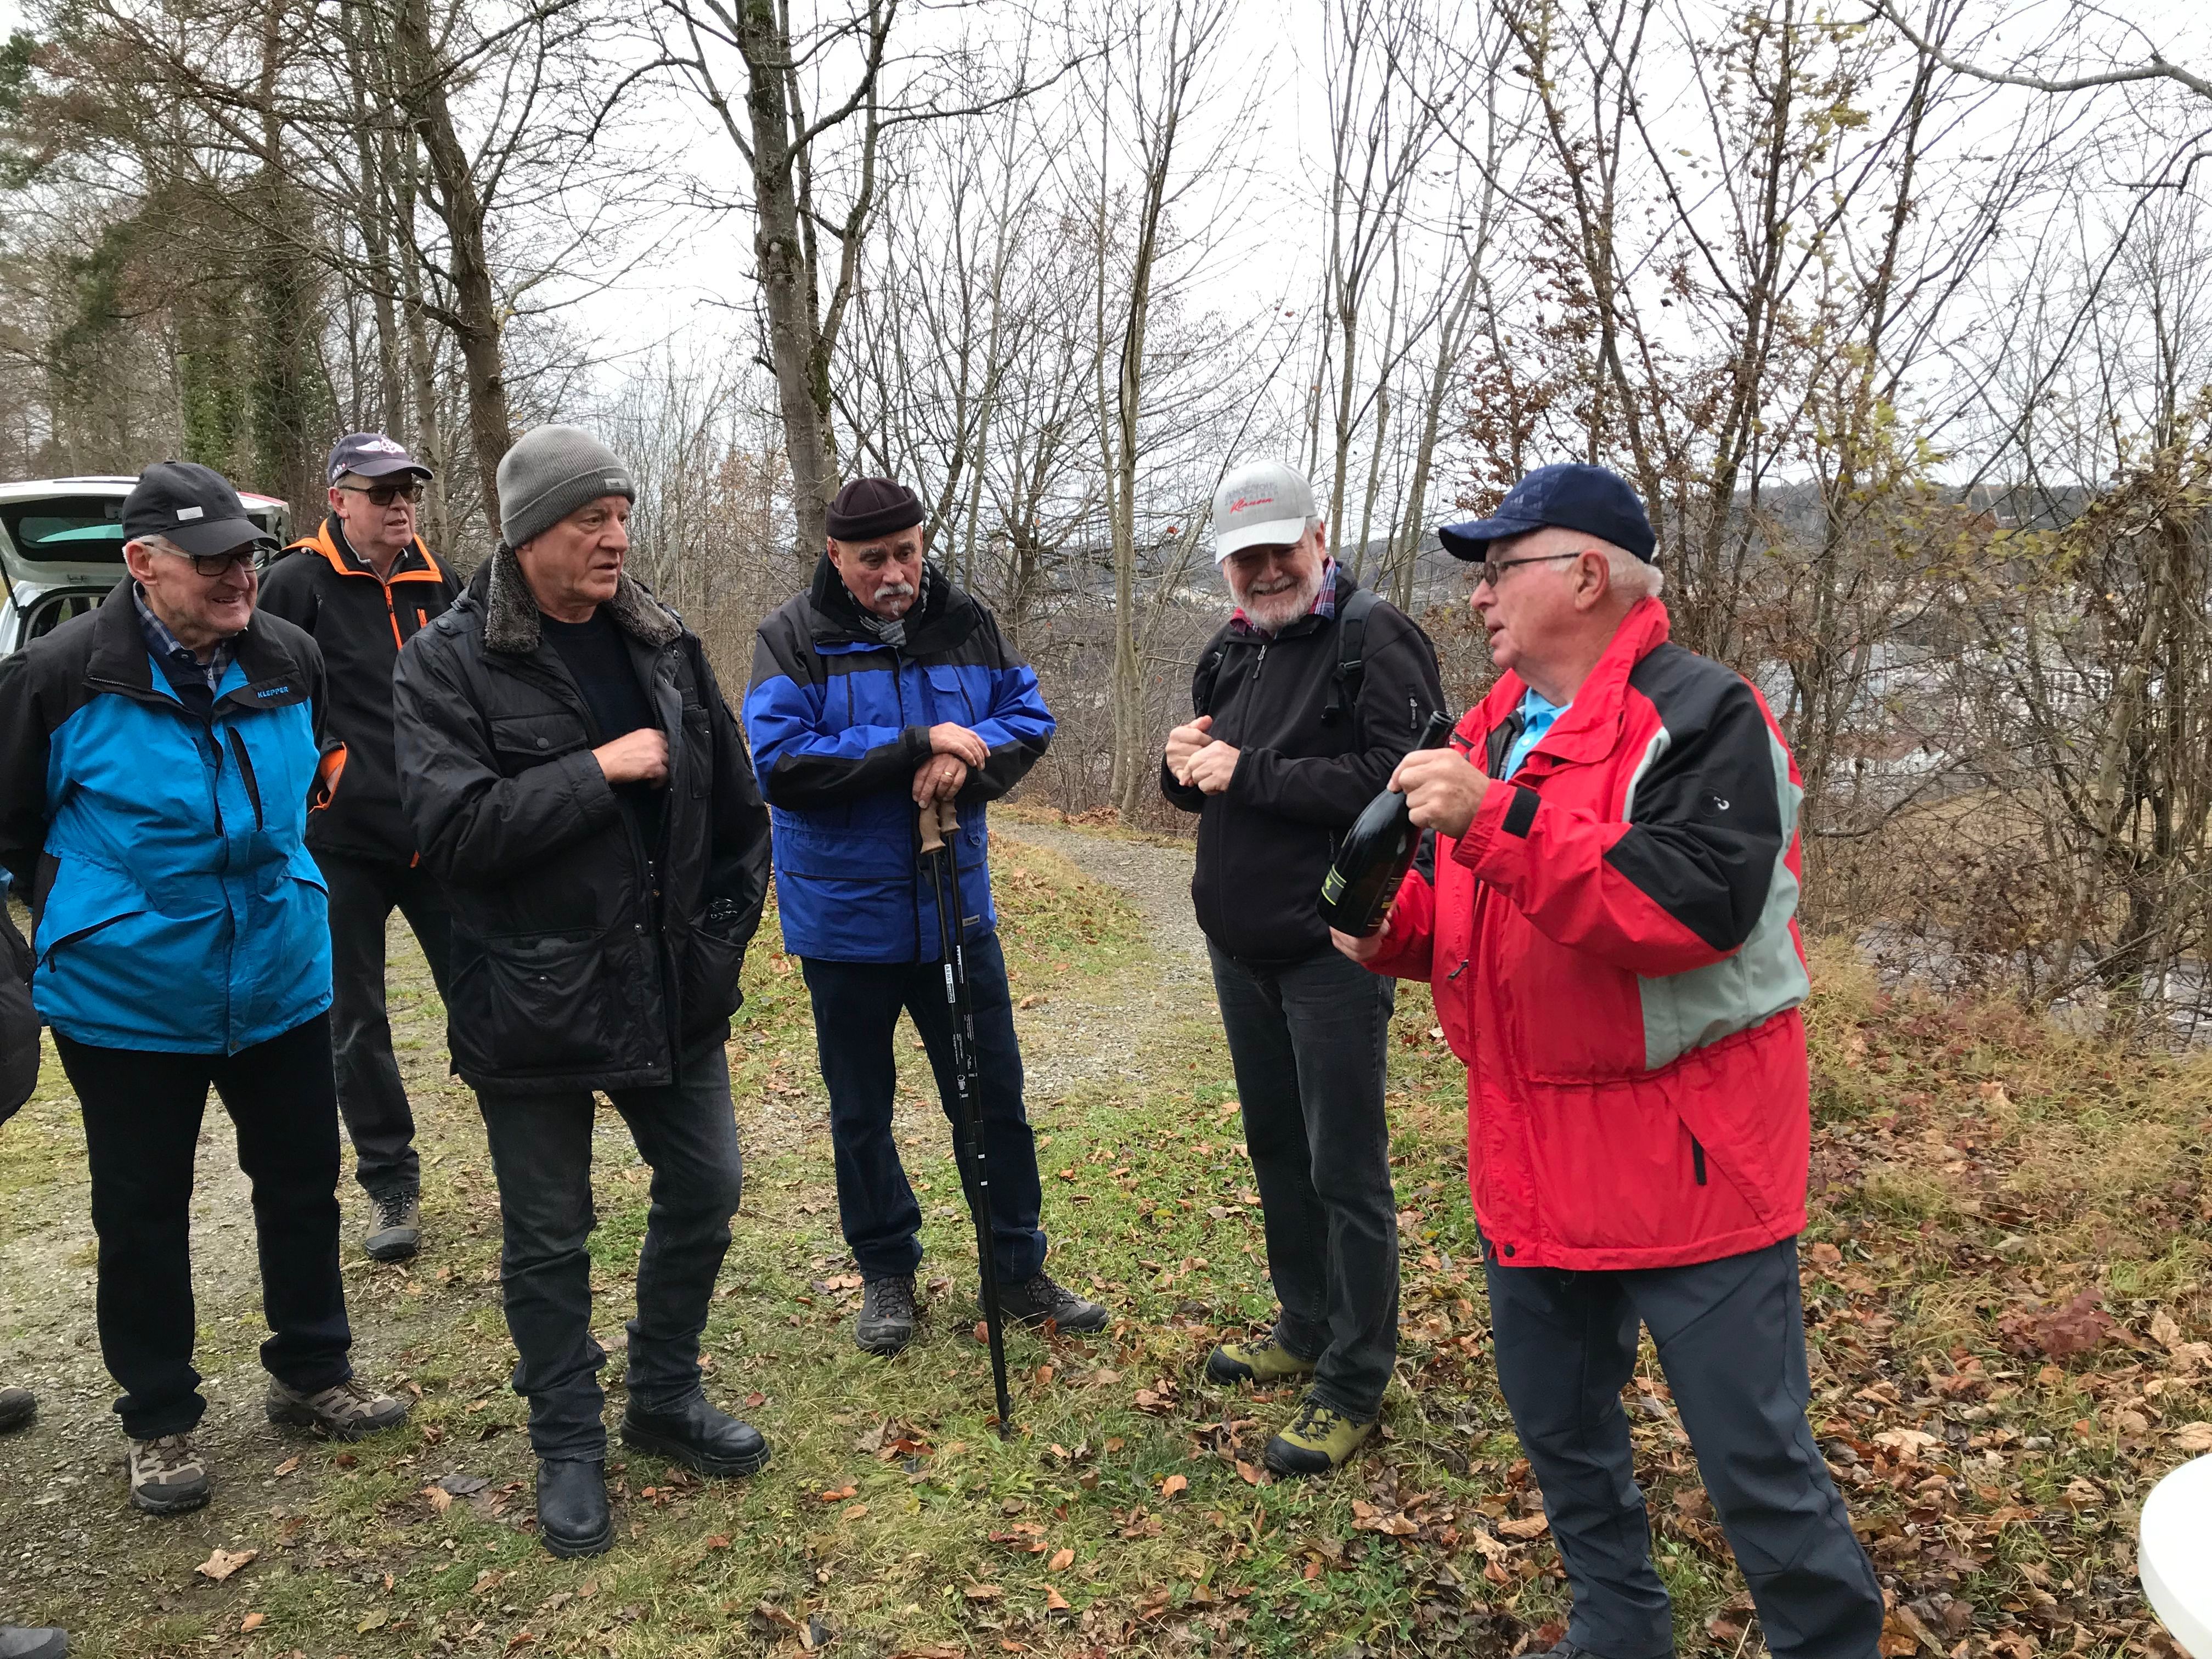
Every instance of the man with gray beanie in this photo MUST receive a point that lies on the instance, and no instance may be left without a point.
(573, 777)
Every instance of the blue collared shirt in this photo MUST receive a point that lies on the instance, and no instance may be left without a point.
(1538, 715)
(176, 660)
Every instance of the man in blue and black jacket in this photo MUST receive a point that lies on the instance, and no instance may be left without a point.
(158, 758)
(882, 687)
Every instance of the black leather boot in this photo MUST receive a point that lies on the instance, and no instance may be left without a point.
(698, 1436)
(572, 1506)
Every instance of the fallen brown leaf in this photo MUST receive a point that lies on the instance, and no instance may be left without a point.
(222, 1563)
(251, 1621)
(1172, 1485)
(984, 1592)
(1062, 1561)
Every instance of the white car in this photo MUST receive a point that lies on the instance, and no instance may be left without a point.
(61, 548)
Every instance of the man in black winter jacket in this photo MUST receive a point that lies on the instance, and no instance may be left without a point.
(574, 778)
(1304, 702)
(362, 584)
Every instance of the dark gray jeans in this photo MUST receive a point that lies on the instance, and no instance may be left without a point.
(1731, 1339)
(541, 1147)
(363, 894)
(1308, 1042)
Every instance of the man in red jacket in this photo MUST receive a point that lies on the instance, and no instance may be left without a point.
(1605, 907)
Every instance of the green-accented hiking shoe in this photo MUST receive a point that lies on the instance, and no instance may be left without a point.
(1319, 1438)
(1265, 1361)
(395, 1226)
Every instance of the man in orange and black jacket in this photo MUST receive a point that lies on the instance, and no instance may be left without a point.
(362, 584)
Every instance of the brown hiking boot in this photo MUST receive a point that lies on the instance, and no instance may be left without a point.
(345, 1411)
(167, 1475)
(395, 1226)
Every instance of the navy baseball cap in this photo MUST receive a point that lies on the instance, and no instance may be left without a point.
(1568, 495)
(192, 505)
(372, 455)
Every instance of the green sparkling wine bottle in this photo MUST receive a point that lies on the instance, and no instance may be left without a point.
(1357, 894)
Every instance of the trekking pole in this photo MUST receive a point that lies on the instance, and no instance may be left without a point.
(938, 827)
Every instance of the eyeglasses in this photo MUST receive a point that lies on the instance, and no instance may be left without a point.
(384, 495)
(1492, 571)
(217, 564)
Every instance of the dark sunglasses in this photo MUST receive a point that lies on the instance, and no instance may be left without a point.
(384, 495)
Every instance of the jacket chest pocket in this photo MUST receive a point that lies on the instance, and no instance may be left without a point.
(522, 741)
(948, 697)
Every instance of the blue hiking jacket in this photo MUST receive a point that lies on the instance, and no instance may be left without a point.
(177, 906)
(839, 722)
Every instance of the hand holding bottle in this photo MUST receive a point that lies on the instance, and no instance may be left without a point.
(1443, 791)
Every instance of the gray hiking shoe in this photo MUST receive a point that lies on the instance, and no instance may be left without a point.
(1037, 1300)
(167, 1475)
(17, 1407)
(350, 1410)
(19, 1642)
(395, 1227)
(886, 1320)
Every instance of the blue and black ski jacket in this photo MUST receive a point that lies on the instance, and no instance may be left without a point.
(164, 853)
(839, 722)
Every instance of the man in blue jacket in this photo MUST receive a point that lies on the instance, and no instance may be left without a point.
(882, 687)
(157, 761)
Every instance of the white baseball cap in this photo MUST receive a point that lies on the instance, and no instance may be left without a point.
(1260, 504)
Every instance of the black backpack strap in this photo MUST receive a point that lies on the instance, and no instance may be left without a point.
(1203, 679)
(1351, 653)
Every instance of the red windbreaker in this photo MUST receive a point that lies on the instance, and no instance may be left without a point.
(1615, 957)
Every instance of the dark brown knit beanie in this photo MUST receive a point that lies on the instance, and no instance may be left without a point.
(868, 508)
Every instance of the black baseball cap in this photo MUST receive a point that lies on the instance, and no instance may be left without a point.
(191, 505)
(1569, 495)
(372, 455)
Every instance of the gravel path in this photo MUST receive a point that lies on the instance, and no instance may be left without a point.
(1092, 1040)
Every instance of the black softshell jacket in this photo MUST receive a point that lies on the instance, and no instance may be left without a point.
(361, 622)
(1265, 842)
(581, 959)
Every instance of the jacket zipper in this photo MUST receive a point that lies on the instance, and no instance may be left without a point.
(246, 776)
(1698, 1160)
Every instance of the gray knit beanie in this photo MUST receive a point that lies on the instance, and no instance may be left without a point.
(550, 472)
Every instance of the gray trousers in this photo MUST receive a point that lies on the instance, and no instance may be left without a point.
(1731, 1340)
(541, 1148)
(1308, 1043)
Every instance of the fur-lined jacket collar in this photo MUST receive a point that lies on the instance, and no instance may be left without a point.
(510, 612)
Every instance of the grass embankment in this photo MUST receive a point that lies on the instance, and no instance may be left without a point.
(1975, 1177)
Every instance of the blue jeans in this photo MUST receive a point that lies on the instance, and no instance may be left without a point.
(1308, 1040)
(541, 1148)
(856, 1008)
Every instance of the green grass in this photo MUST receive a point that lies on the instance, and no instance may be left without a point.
(894, 1520)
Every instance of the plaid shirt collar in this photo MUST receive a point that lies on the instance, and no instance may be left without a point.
(172, 655)
(1324, 604)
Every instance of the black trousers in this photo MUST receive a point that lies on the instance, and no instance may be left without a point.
(141, 1122)
(364, 892)
(541, 1149)
(856, 1008)
(1731, 1339)
(1308, 1042)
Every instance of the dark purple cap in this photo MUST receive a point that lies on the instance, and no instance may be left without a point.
(372, 455)
(1571, 495)
(868, 508)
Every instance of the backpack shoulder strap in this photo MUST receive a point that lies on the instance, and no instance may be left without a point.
(1351, 653)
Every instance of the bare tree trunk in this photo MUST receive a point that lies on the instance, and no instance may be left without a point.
(478, 324)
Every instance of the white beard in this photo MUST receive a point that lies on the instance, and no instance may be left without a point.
(1272, 612)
